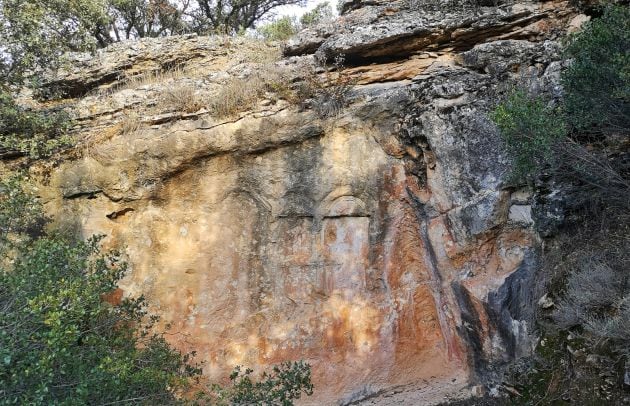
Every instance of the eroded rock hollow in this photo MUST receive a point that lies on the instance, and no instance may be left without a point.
(381, 244)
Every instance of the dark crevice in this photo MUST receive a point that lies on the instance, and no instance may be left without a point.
(435, 276)
(93, 194)
(74, 89)
(83, 195)
(119, 213)
(340, 216)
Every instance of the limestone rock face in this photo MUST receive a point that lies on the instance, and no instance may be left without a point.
(382, 245)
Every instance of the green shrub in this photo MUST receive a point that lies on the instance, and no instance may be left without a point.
(321, 13)
(35, 133)
(597, 83)
(596, 100)
(279, 30)
(61, 344)
(282, 386)
(530, 129)
(20, 214)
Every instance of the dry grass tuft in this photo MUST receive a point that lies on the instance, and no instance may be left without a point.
(236, 96)
(254, 50)
(242, 94)
(130, 123)
(182, 98)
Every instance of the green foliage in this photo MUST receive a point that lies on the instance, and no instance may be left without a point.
(597, 83)
(35, 133)
(596, 100)
(585, 349)
(233, 16)
(285, 27)
(20, 214)
(530, 128)
(322, 12)
(279, 30)
(60, 343)
(282, 386)
(142, 18)
(35, 33)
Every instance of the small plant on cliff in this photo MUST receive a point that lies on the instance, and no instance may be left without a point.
(182, 98)
(328, 93)
(530, 128)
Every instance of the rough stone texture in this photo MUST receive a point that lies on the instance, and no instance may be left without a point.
(398, 29)
(382, 245)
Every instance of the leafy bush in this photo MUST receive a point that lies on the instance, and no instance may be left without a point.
(321, 13)
(279, 30)
(36, 33)
(20, 215)
(35, 133)
(597, 83)
(530, 128)
(282, 386)
(60, 342)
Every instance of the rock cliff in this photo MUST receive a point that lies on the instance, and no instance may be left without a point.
(381, 242)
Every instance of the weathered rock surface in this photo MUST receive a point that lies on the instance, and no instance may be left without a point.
(382, 245)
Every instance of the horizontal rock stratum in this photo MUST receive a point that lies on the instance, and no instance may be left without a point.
(377, 240)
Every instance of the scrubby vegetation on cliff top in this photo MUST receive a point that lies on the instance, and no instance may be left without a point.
(285, 27)
(85, 24)
(580, 144)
